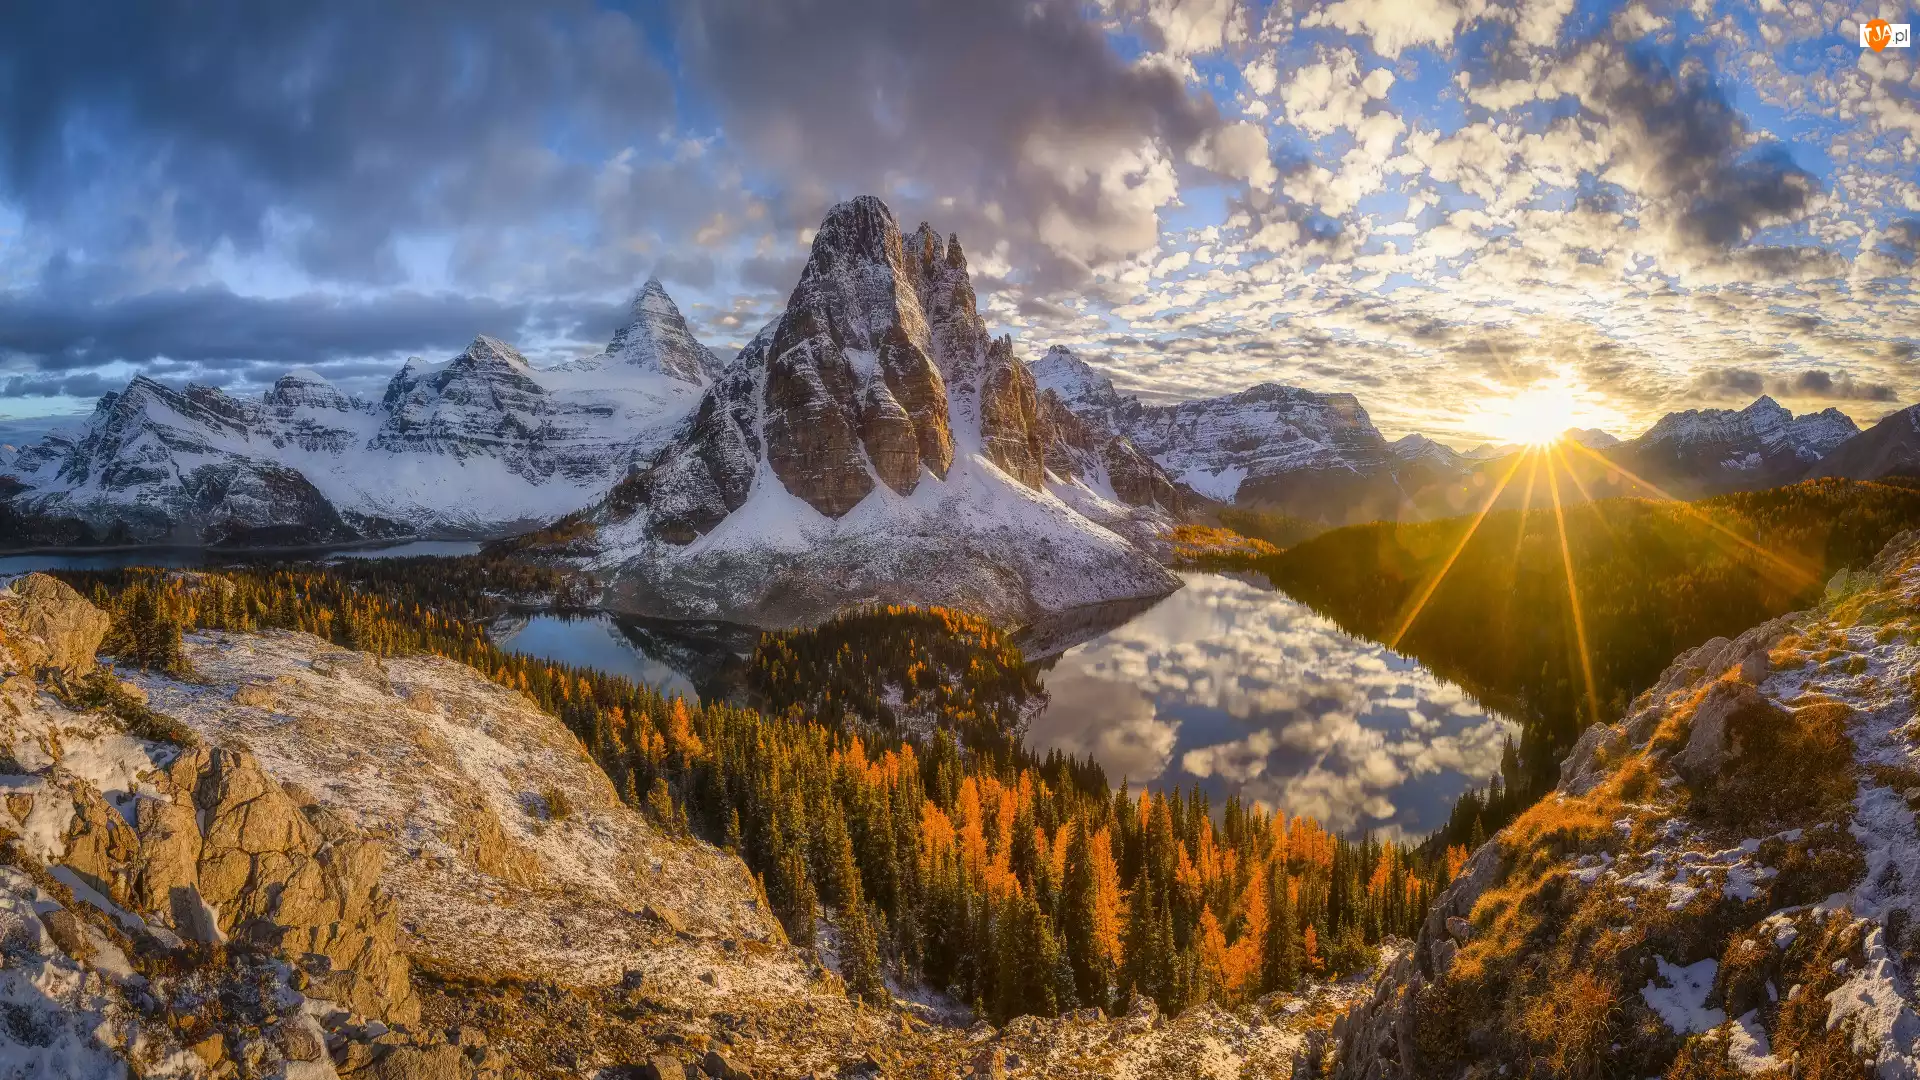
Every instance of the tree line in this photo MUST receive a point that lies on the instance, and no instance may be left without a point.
(949, 855)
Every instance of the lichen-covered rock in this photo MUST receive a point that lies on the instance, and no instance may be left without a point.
(45, 624)
(1585, 766)
(1707, 744)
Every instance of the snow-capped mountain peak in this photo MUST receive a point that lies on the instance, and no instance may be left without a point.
(872, 443)
(1081, 385)
(1764, 427)
(656, 341)
(304, 388)
(1592, 438)
(1417, 447)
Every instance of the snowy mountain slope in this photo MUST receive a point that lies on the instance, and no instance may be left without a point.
(478, 445)
(1888, 448)
(870, 444)
(1705, 451)
(1316, 454)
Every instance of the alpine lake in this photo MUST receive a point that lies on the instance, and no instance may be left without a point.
(1226, 683)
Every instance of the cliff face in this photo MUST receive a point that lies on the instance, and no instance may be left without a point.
(1724, 882)
(851, 388)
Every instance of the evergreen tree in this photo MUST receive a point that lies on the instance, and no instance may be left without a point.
(1280, 958)
(1079, 923)
(859, 952)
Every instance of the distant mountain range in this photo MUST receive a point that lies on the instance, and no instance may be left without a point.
(872, 443)
(479, 445)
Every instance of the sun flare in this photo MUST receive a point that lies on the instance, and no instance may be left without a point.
(1538, 415)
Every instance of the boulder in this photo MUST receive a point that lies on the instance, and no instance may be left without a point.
(1585, 767)
(45, 625)
(417, 1063)
(228, 850)
(1706, 748)
(662, 1067)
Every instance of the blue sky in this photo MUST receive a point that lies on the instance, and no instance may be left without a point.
(1435, 204)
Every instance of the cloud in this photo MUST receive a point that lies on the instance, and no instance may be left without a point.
(216, 336)
(1736, 382)
(1187, 27)
(1240, 760)
(329, 130)
(1130, 742)
(1393, 26)
(1001, 119)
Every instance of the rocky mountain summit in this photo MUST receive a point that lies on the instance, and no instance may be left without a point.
(1703, 451)
(1888, 448)
(1723, 884)
(873, 443)
(479, 445)
(655, 341)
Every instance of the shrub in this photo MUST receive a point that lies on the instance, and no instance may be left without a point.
(100, 690)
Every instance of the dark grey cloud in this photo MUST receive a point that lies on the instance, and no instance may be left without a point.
(1730, 383)
(776, 273)
(1838, 386)
(1692, 149)
(1738, 383)
(185, 123)
(986, 102)
(31, 429)
(213, 335)
(80, 384)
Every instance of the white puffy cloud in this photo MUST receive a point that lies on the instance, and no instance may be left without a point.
(1393, 26)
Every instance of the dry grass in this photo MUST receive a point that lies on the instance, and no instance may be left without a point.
(1784, 768)
(1800, 1023)
(1569, 1025)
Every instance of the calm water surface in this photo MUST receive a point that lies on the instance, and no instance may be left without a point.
(1235, 686)
(594, 641)
(1226, 683)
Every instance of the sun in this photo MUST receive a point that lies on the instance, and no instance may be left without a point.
(1536, 416)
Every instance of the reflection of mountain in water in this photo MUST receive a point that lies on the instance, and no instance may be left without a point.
(1045, 639)
(711, 656)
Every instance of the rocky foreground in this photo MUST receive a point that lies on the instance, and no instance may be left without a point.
(306, 862)
(1724, 883)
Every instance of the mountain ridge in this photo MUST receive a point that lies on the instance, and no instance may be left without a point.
(479, 445)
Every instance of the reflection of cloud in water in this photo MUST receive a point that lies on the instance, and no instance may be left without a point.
(1125, 736)
(1251, 692)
